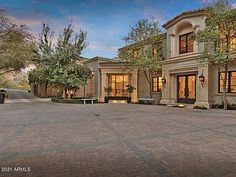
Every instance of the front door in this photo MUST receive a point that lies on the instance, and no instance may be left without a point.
(186, 89)
(118, 83)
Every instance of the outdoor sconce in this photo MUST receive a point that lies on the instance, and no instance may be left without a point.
(163, 80)
(91, 74)
(201, 79)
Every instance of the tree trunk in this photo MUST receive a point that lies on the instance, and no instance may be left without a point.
(46, 89)
(226, 72)
(149, 82)
(65, 94)
(224, 87)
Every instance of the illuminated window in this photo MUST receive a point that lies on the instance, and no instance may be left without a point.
(186, 43)
(230, 84)
(156, 46)
(233, 43)
(136, 53)
(156, 84)
(118, 84)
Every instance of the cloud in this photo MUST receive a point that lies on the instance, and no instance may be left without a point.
(234, 5)
(101, 46)
(22, 21)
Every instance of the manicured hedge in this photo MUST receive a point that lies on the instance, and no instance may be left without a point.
(70, 101)
(221, 106)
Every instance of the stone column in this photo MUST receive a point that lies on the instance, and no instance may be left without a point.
(134, 83)
(166, 89)
(102, 85)
(172, 89)
(203, 98)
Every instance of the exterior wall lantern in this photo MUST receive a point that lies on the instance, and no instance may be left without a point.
(163, 80)
(201, 79)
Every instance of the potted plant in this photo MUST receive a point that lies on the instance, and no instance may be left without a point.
(108, 90)
(130, 89)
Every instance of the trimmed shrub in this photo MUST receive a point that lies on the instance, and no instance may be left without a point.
(69, 101)
(221, 106)
(200, 107)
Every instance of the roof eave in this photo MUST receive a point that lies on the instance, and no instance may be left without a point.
(188, 14)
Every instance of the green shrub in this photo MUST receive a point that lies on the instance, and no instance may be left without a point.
(69, 101)
(221, 106)
(77, 98)
(199, 107)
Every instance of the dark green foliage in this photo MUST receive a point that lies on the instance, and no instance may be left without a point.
(70, 101)
(108, 90)
(143, 29)
(17, 45)
(130, 89)
(140, 55)
(61, 64)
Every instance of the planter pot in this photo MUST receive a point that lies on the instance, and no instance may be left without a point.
(106, 99)
(2, 98)
(128, 99)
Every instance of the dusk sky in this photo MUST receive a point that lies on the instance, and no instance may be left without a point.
(106, 21)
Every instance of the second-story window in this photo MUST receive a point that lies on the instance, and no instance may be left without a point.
(186, 43)
(155, 46)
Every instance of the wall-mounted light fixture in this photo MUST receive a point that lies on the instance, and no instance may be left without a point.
(201, 79)
(91, 73)
(163, 80)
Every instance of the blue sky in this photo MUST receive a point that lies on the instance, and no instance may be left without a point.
(106, 21)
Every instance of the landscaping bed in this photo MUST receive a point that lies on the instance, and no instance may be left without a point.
(221, 106)
(69, 101)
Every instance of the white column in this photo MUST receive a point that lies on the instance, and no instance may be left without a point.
(166, 89)
(134, 83)
(102, 86)
(203, 90)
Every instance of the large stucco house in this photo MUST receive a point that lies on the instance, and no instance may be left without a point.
(180, 70)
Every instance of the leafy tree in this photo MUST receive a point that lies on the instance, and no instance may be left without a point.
(217, 37)
(17, 46)
(145, 52)
(69, 72)
(44, 60)
(143, 29)
(130, 89)
(108, 90)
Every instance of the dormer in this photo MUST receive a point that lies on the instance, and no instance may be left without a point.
(180, 32)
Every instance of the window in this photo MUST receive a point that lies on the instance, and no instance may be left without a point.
(156, 84)
(156, 47)
(136, 53)
(233, 43)
(230, 84)
(186, 43)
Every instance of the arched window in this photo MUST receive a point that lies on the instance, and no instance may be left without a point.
(184, 37)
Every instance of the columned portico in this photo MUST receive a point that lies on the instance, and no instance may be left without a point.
(183, 86)
(113, 72)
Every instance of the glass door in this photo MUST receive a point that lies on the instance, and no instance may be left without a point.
(118, 84)
(186, 89)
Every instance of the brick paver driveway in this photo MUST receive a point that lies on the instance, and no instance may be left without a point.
(112, 140)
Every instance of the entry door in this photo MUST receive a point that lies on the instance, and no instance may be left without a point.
(186, 89)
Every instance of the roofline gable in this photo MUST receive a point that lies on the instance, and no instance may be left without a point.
(184, 15)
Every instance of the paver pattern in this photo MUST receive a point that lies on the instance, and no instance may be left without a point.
(115, 140)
